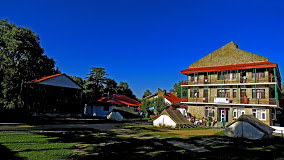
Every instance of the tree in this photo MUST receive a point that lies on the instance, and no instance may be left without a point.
(159, 104)
(78, 80)
(94, 86)
(21, 60)
(147, 93)
(111, 87)
(146, 104)
(124, 85)
(177, 89)
(282, 88)
(123, 89)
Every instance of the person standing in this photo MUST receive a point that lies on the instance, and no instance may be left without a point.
(244, 78)
(210, 121)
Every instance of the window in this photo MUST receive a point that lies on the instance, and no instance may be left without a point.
(196, 93)
(234, 93)
(234, 75)
(205, 93)
(259, 113)
(226, 75)
(194, 78)
(223, 93)
(237, 112)
(260, 93)
(209, 111)
(219, 75)
(258, 75)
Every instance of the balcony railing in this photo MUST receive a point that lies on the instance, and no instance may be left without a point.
(269, 101)
(249, 79)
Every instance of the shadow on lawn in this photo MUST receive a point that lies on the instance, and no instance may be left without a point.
(95, 144)
(6, 153)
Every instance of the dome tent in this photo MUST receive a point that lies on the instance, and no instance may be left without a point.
(247, 126)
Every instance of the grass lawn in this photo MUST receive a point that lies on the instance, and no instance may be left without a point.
(31, 145)
(133, 141)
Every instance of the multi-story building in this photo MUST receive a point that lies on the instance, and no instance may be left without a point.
(230, 82)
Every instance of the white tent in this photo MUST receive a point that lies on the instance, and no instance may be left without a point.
(115, 116)
(173, 119)
(247, 126)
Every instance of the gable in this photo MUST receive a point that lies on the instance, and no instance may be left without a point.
(60, 81)
(228, 55)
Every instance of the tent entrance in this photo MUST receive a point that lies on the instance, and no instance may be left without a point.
(223, 114)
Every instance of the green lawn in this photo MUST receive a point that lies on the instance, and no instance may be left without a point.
(131, 141)
(31, 145)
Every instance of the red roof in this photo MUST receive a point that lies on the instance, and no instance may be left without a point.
(230, 67)
(119, 100)
(45, 78)
(172, 98)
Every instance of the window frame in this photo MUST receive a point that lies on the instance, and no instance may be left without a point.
(207, 111)
(258, 93)
(237, 112)
(260, 112)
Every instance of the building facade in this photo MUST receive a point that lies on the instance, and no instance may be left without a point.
(230, 82)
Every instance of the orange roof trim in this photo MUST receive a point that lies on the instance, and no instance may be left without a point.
(172, 98)
(119, 100)
(230, 67)
(45, 78)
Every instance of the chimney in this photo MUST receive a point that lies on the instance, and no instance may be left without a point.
(236, 45)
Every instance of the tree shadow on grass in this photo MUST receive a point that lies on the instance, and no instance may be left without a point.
(6, 153)
(96, 144)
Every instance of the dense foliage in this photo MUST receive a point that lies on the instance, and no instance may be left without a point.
(147, 93)
(21, 60)
(98, 85)
(158, 103)
(177, 89)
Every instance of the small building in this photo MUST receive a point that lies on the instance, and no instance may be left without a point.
(170, 99)
(172, 119)
(105, 105)
(55, 93)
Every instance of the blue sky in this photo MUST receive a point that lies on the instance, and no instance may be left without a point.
(147, 42)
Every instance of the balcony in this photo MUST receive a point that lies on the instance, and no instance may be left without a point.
(249, 79)
(267, 101)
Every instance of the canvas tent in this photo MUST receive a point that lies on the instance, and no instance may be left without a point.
(173, 119)
(123, 113)
(247, 126)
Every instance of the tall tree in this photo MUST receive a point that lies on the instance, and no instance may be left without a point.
(177, 89)
(21, 60)
(147, 93)
(123, 88)
(159, 104)
(111, 87)
(94, 86)
(78, 80)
